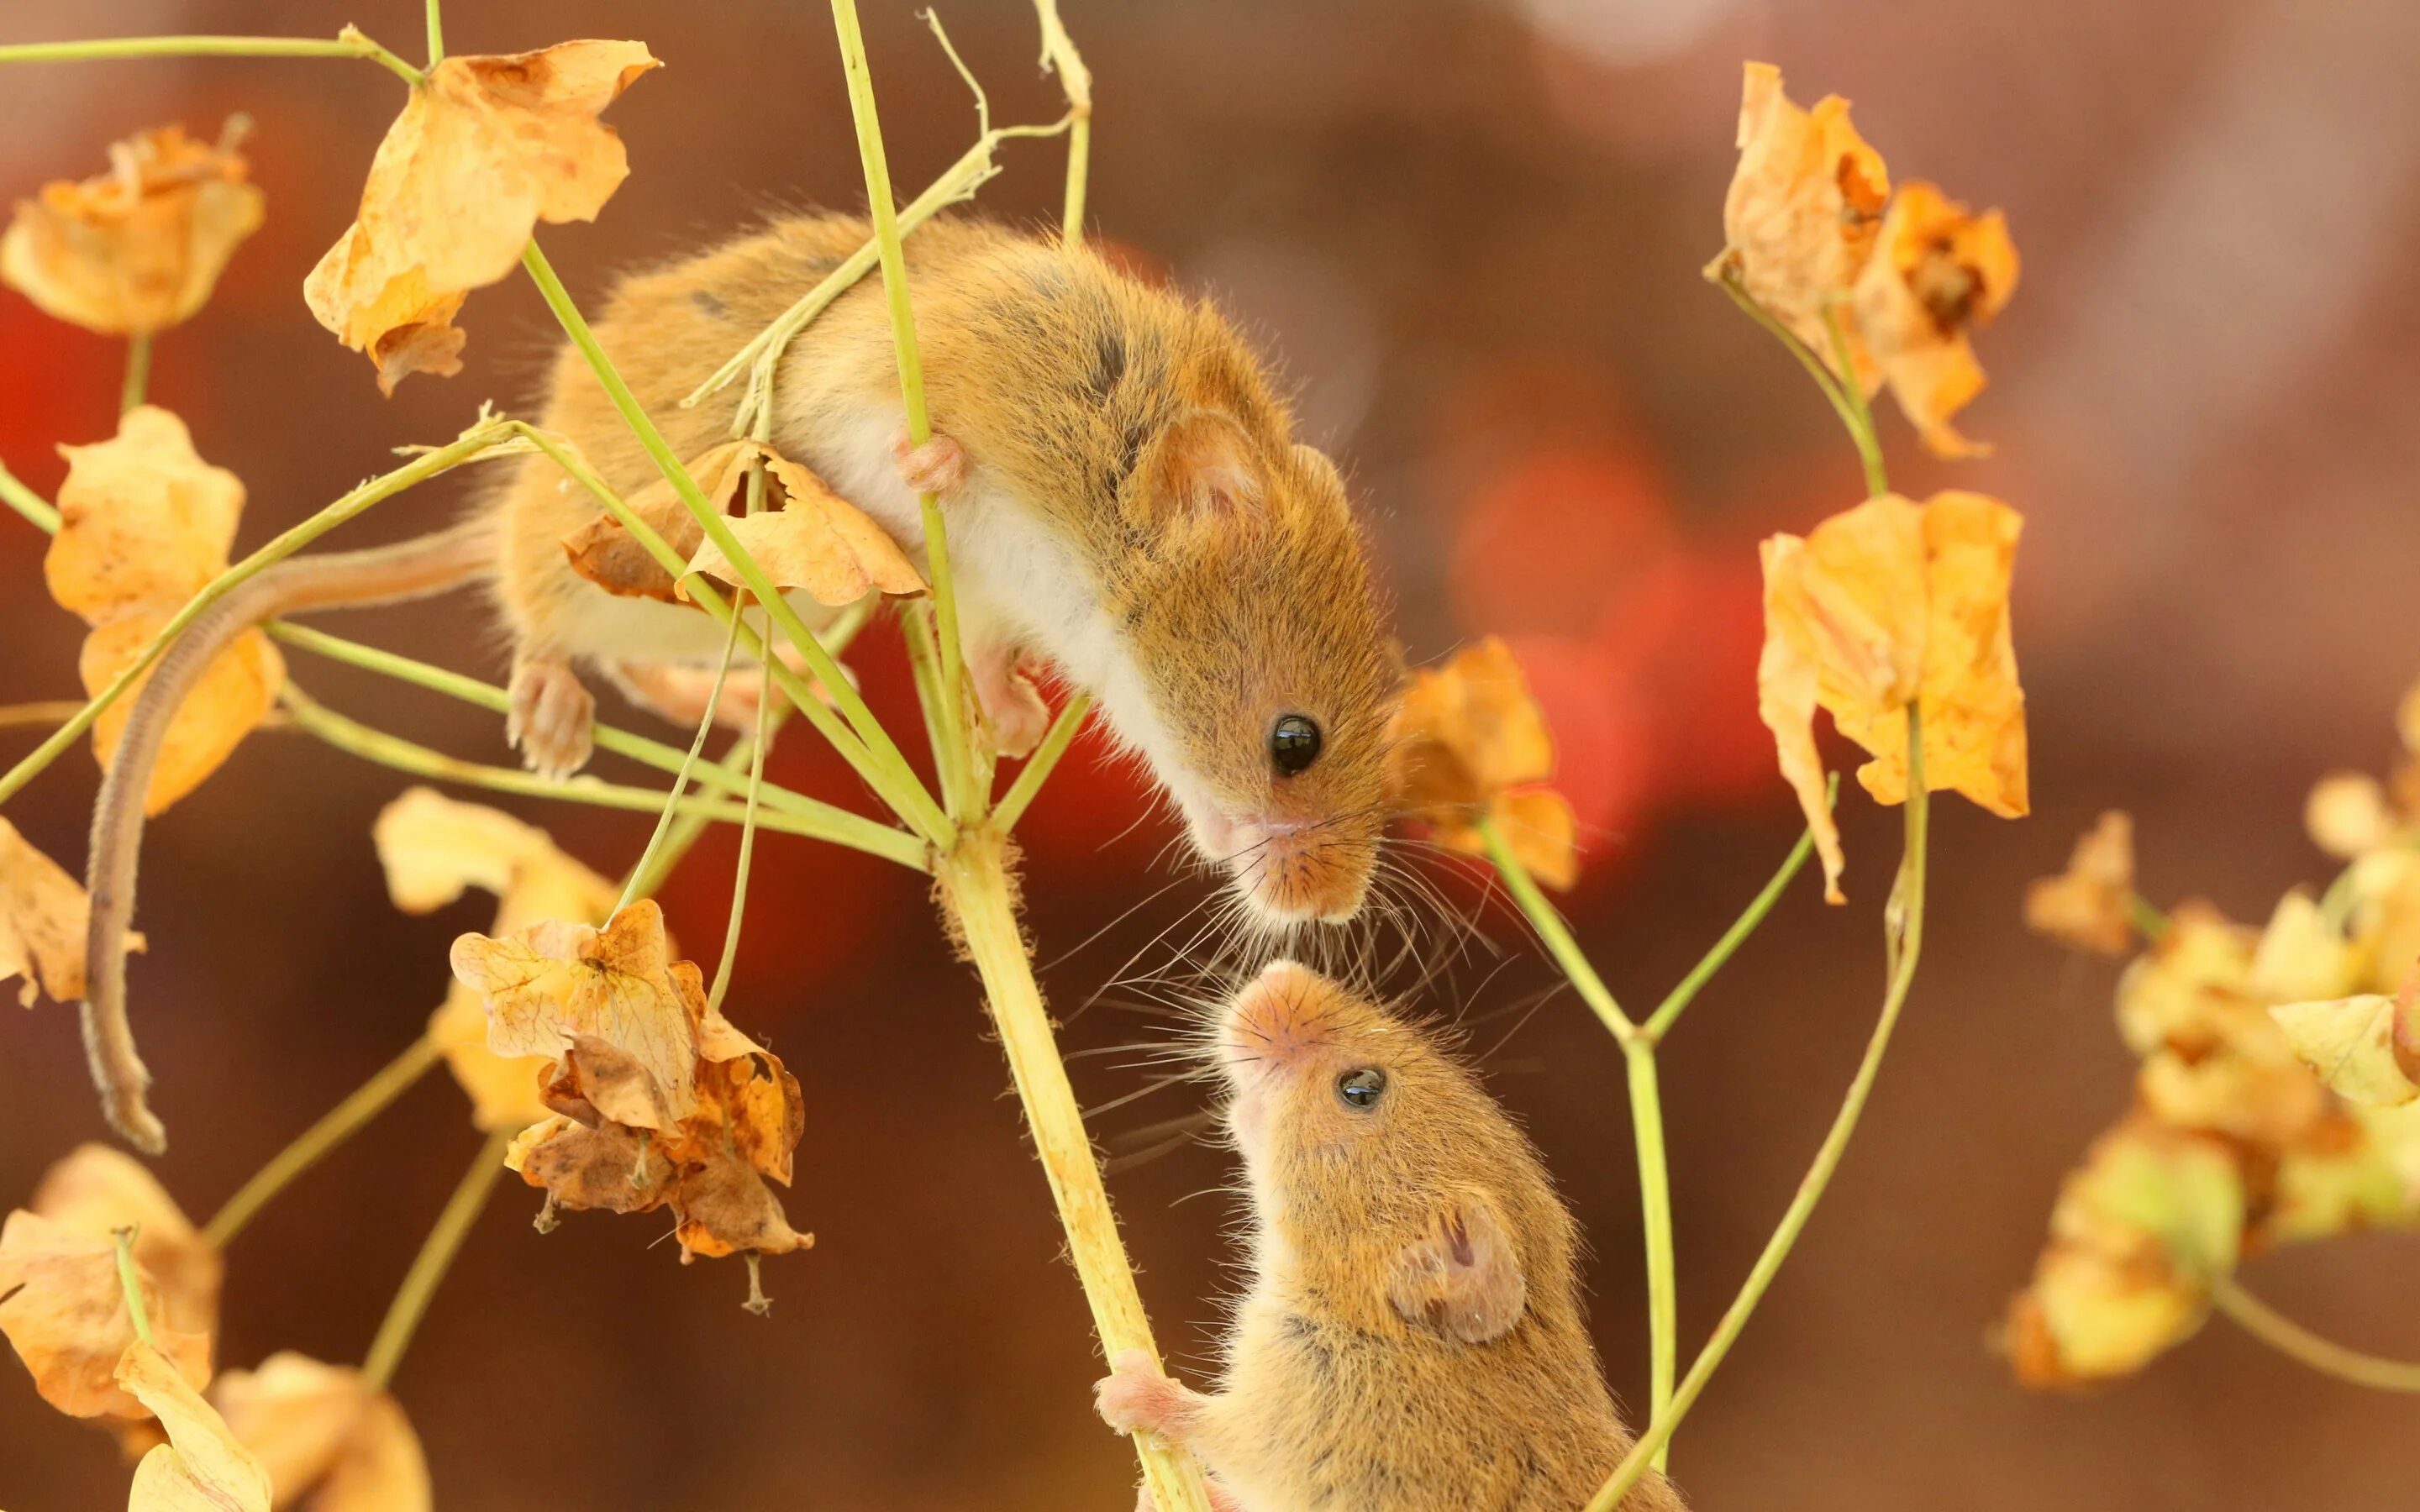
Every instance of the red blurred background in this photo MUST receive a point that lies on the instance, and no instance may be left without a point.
(1469, 233)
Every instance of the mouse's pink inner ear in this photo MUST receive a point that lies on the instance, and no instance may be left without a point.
(1463, 1278)
(1204, 467)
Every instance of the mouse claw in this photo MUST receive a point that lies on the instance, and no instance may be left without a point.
(552, 715)
(1140, 1398)
(938, 466)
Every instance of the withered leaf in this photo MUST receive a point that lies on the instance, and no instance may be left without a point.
(816, 541)
(2092, 904)
(143, 524)
(140, 248)
(1469, 743)
(96, 1190)
(63, 1308)
(1936, 274)
(44, 914)
(328, 1440)
(486, 147)
(201, 1468)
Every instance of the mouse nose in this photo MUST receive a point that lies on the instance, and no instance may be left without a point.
(1296, 873)
(1265, 1019)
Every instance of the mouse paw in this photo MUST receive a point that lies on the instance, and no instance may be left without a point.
(1140, 1398)
(551, 716)
(1011, 705)
(938, 466)
(1221, 1499)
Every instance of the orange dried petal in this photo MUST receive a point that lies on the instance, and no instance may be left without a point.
(138, 249)
(485, 149)
(63, 1308)
(2090, 906)
(326, 1439)
(44, 916)
(144, 521)
(201, 1468)
(227, 703)
(1803, 213)
(96, 1190)
(1468, 730)
(1938, 272)
(816, 541)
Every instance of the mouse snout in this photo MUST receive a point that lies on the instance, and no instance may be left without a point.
(1272, 1024)
(1290, 871)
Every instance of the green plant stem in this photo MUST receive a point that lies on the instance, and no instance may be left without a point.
(25, 502)
(1830, 386)
(1675, 1002)
(689, 764)
(317, 721)
(1904, 935)
(2290, 1338)
(881, 762)
(129, 1281)
(429, 1266)
(974, 888)
(966, 800)
(419, 470)
(335, 1126)
(436, 33)
(853, 830)
(138, 371)
(1044, 760)
(1059, 53)
(1554, 933)
(645, 882)
(1646, 1105)
(1861, 418)
(348, 43)
(745, 867)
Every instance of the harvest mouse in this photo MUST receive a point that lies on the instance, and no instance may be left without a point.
(1126, 503)
(1412, 1339)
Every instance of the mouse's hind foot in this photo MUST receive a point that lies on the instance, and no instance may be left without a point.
(552, 715)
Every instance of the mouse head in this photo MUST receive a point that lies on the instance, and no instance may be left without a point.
(1271, 678)
(1377, 1160)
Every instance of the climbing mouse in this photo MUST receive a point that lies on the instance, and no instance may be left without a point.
(1412, 1339)
(1126, 505)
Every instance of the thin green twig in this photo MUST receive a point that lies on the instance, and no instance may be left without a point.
(138, 371)
(436, 33)
(348, 43)
(1059, 55)
(689, 763)
(1676, 1001)
(1904, 935)
(25, 502)
(436, 1257)
(1861, 423)
(2290, 1338)
(957, 778)
(1044, 760)
(334, 1127)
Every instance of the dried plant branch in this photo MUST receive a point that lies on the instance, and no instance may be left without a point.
(436, 1257)
(335, 1126)
(348, 43)
(2290, 1338)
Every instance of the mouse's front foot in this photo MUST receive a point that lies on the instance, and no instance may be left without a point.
(1138, 1397)
(552, 715)
(938, 466)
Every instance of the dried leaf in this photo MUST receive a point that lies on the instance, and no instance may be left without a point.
(63, 1308)
(145, 524)
(611, 557)
(226, 703)
(96, 1190)
(433, 847)
(1804, 211)
(606, 1000)
(816, 541)
(2365, 1047)
(2347, 815)
(2138, 1234)
(485, 149)
(138, 249)
(1935, 274)
(2092, 904)
(726, 1207)
(1883, 603)
(327, 1439)
(201, 1468)
(2300, 955)
(1469, 743)
(43, 917)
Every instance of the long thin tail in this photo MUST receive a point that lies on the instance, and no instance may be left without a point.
(338, 579)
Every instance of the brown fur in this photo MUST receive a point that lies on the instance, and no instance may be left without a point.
(1414, 1338)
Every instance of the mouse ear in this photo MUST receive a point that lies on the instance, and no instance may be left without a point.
(1463, 1278)
(1202, 467)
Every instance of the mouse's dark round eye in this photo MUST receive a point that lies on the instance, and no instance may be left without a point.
(1294, 743)
(1361, 1088)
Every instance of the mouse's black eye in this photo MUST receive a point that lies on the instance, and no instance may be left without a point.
(1294, 743)
(1361, 1088)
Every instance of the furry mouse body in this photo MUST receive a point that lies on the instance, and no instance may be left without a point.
(1126, 506)
(1412, 1338)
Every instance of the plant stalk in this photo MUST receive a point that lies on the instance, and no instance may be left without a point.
(2290, 1338)
(335, 1126)
(429, 1266)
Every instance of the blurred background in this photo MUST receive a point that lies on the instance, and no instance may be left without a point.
(1471, 233)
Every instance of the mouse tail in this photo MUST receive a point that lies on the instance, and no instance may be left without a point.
(338, 579)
